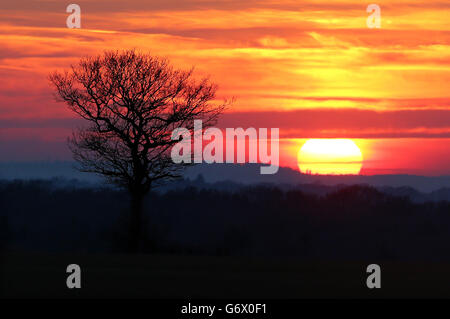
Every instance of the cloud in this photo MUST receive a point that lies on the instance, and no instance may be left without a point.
(314, 123)
(313, 68)
(348, 123)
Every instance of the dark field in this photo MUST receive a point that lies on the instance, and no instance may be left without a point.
(43, 276)
(257, 242)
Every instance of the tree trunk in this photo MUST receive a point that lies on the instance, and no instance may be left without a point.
(135, 227)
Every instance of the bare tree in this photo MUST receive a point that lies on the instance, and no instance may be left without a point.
(132, 102)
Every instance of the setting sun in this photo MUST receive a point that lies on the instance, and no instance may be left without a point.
(330, 157)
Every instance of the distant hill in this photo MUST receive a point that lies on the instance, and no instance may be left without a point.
(249, 174)
(245, 174)
(200, 182)
(44, 170)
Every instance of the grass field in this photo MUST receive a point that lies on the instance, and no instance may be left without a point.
(154, 276)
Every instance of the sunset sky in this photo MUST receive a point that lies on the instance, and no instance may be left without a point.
(312, 68)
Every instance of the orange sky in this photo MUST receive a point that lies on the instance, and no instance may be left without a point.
(311, 68)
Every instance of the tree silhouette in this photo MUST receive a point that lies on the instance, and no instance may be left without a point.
(133, 102)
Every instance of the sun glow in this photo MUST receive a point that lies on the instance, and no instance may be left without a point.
(330, 157)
